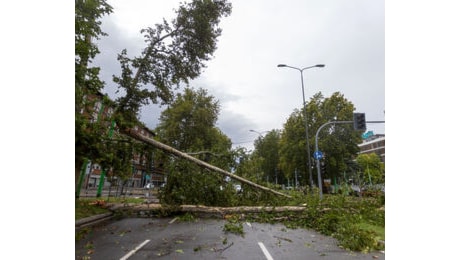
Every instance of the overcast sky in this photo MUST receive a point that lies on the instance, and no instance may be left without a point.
(347, 36)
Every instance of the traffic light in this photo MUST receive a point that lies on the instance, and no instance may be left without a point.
(323, 168)
(359, 121)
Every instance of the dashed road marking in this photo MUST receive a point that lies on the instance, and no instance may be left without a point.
(172, 221)
(132, 252)
(265, 251)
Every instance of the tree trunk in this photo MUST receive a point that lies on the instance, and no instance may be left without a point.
(243, 209)
(171, 150)
(205, 211)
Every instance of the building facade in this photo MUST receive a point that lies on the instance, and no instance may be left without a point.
(98, 109)
(374, 144)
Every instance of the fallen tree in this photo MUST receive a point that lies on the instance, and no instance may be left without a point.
(203, 164)
(241, 209)
(200, 210)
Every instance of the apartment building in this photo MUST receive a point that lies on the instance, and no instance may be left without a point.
(97, 109)
(374, 144)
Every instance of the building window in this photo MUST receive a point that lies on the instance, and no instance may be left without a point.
(97, 107)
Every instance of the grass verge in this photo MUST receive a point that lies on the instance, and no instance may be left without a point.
(378, 230)
(87, 207)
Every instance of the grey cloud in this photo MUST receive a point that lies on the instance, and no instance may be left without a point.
(236, 127)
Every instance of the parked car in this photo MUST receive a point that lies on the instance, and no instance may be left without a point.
(355, 190)
(149, 186)
(238, 188)
(373, 190)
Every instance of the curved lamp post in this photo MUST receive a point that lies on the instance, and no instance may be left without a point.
(304, 104)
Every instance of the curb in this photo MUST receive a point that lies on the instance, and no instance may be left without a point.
(93, 220)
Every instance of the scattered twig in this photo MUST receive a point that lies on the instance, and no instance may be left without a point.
(223, 249)
(282, 238)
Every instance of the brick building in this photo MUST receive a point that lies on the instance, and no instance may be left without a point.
(97, 109)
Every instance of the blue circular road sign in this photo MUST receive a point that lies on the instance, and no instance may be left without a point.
(318, 155)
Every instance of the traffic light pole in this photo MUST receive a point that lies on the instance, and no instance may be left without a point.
(320, 184)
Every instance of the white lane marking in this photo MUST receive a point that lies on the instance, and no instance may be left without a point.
(265, 251)
(132, 252)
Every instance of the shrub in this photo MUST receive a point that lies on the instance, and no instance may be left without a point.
(350, 236)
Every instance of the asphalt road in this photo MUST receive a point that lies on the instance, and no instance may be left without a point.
(169, 238)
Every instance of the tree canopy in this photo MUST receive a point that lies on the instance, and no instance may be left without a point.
(88, 143)
(188, 124)
(338, 143)
(175, 53)
(267, 148)
(372, 170)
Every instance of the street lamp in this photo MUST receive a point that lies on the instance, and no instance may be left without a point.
(304, 104)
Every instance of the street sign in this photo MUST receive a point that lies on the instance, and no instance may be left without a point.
(367, 134)
(318, 155)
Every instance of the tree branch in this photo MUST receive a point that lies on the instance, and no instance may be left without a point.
(171, 150)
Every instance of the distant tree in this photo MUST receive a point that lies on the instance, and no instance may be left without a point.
(292, 147)
(338, 143)
(188, 124)
(372, 168)
(248, 165)
(267, 148)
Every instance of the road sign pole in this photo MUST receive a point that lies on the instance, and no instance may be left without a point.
(320, 184)
(80, 180)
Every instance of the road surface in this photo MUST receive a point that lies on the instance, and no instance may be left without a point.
(170, 238)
